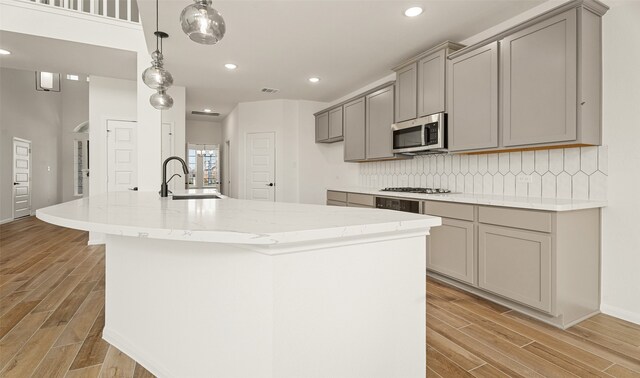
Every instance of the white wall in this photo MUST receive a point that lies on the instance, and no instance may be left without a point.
(75, 110)
(621, 119)
(108, 99)
(35, 116)
(204, 132)
(230, 133)
(177, 116)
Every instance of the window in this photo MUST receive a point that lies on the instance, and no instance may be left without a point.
(204, 165)
(78, 164)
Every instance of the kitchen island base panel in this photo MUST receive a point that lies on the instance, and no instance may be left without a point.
(207, 309)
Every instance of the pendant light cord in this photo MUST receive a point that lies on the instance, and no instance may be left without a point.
(157, 26)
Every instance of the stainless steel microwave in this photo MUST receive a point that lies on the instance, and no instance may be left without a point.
(422, 135)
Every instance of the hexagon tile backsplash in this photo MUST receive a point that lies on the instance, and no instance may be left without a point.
(578, 173)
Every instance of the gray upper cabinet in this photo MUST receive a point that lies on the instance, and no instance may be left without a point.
(406, 87)
(354, 130)
(335, 123)
(379, 118)
(550, 83)
(539, 74)
(421, 83)
(472, 90)
(431, 83)
(322, 127)
(329, 126)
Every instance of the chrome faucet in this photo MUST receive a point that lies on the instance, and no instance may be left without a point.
(164, 187)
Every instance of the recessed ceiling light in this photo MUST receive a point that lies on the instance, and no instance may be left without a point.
(314, 79)
(413, 11)
(230, 66)
(5, 52)
(208, 110)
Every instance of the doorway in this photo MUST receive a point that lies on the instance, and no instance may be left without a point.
(226, 173)
(122, 160)
(21, 178)
(204, 166)
(260, 166)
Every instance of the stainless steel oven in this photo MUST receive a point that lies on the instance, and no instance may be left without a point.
(423, 135)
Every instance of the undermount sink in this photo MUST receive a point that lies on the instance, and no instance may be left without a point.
(194, 196)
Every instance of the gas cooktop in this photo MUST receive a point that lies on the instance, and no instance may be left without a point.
(417, 190)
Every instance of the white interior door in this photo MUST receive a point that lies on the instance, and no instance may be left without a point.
(122, 155)
(21, 178)
(260, 166)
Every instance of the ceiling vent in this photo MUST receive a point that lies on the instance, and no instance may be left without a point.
(195, 112)
(269, 90)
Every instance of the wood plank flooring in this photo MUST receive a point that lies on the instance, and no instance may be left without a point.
(52, 315)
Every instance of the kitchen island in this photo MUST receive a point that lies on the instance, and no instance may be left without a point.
(235, 288)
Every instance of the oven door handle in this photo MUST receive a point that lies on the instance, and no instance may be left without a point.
(424, 142)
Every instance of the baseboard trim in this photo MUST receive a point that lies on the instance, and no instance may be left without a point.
(3, 221)
(130, 350)
(620, 313)
(96, 238)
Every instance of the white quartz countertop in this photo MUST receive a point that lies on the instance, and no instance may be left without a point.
(550, 204)
(145, 214)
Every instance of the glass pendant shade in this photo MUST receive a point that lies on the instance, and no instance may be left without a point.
(161, 100)
(156, 77)
(202, 23)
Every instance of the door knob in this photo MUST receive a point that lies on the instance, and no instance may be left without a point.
(270, 184)
(16, 183)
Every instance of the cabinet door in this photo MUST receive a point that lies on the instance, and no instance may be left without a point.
(406, 83)
(539, 74)
(335, 123)
(431, 84)
(472, 92)
(354, 130)
(450, 250)
(515, 264)
(322, 127)
(379, 111)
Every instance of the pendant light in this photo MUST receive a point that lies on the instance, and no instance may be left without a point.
(202, 23)
(156, 77)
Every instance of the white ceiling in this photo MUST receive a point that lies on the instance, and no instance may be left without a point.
(280, 44)
(35, 53)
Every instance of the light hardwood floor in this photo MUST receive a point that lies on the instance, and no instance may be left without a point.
(52, 314)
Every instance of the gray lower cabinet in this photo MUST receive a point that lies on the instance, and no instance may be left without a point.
(406, 87)
(431, 83)
(515, 264)
(542, 263)
(354, 130)
(379, 118)
(322, 127)
(539, 74)
(451, 250)
(335, 198)
(472, 91)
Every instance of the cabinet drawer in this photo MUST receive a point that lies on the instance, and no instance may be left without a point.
(360, 199)
(515, 264)
(336, 196)
(357, 205)
(449, 210)
(336, 203)
(517, 218)
(450, 250)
